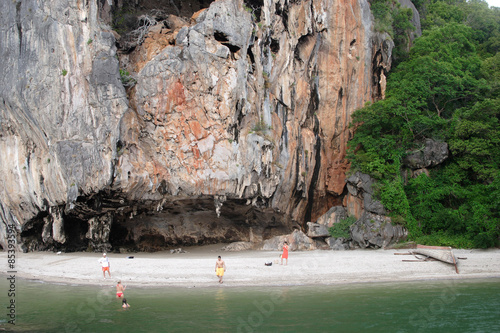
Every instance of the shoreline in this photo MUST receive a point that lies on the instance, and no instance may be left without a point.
(233, 286)
(196, 268)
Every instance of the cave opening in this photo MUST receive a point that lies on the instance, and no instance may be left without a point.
(194, 221)
(256, 7)
(126, 13)
(275, 45)
(377, 72)
(75, 230)
(222, 38)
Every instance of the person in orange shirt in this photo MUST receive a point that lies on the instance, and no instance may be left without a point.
(285, 253)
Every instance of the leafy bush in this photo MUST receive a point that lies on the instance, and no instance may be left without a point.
(442, 238)
(127, 79)
(342, 228)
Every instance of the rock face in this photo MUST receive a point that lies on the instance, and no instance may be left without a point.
(316, 230)
(431, 154)
(297, 241)
(332, 216)
(233, 126)
(376, 231)
(360, 196)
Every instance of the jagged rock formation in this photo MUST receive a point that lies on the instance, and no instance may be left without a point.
(233, 126)
(376, 231)
(431, 154)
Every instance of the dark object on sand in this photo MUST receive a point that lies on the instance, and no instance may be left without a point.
(268, 264)
(130, 257)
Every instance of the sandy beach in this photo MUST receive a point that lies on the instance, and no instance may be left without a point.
(196, 267)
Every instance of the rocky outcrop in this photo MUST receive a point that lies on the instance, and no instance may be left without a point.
(230, 125)
(332, 216)
(431, 154)
(360, 196)
(297, 241)
(337, 244)
(376, 231)
(315, 230)
(238, 246)
(415, 18)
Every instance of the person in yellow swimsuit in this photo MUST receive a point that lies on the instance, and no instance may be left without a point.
(220, 268)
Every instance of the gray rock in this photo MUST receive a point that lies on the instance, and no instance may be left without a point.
(337, 244)
(98, 232)
(376, 231)
(238, 246)
(415, 19)
(332, 216)
(316, 230)
(432, 154)
(360, 185)
(297, 241)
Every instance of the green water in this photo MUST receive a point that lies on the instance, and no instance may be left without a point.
(428, 306)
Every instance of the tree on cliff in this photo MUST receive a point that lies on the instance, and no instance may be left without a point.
(446, 92)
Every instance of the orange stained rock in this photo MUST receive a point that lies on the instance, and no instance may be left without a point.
(196, 151)
(198, 131)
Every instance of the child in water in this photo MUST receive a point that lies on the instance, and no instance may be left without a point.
(125, 304)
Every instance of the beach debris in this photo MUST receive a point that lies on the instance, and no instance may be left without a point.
(179, 250)
(58, 253)
(130, 257)
(268, 264)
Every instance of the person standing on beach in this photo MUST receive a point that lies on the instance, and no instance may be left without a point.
(220, 268)
(120, 289)
(285, 253)
(105, 265)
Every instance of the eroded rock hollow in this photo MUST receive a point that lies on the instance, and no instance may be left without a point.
(152, 124)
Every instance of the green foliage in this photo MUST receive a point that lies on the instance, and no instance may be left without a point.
(381, 11)
(439, 13)
(444, 239)
(125, 19)
(391, 18)
(476, 139)
(127, 79)
(342, 228)
(64, 72)
(447, 90)
(260, 127)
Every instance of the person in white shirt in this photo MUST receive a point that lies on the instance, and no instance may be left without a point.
(105, 265)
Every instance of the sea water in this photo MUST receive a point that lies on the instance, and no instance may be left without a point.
(424, 306)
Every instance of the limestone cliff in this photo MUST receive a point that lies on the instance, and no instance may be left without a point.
(231, 125)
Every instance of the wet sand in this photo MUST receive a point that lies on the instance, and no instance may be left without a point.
(196, 268)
